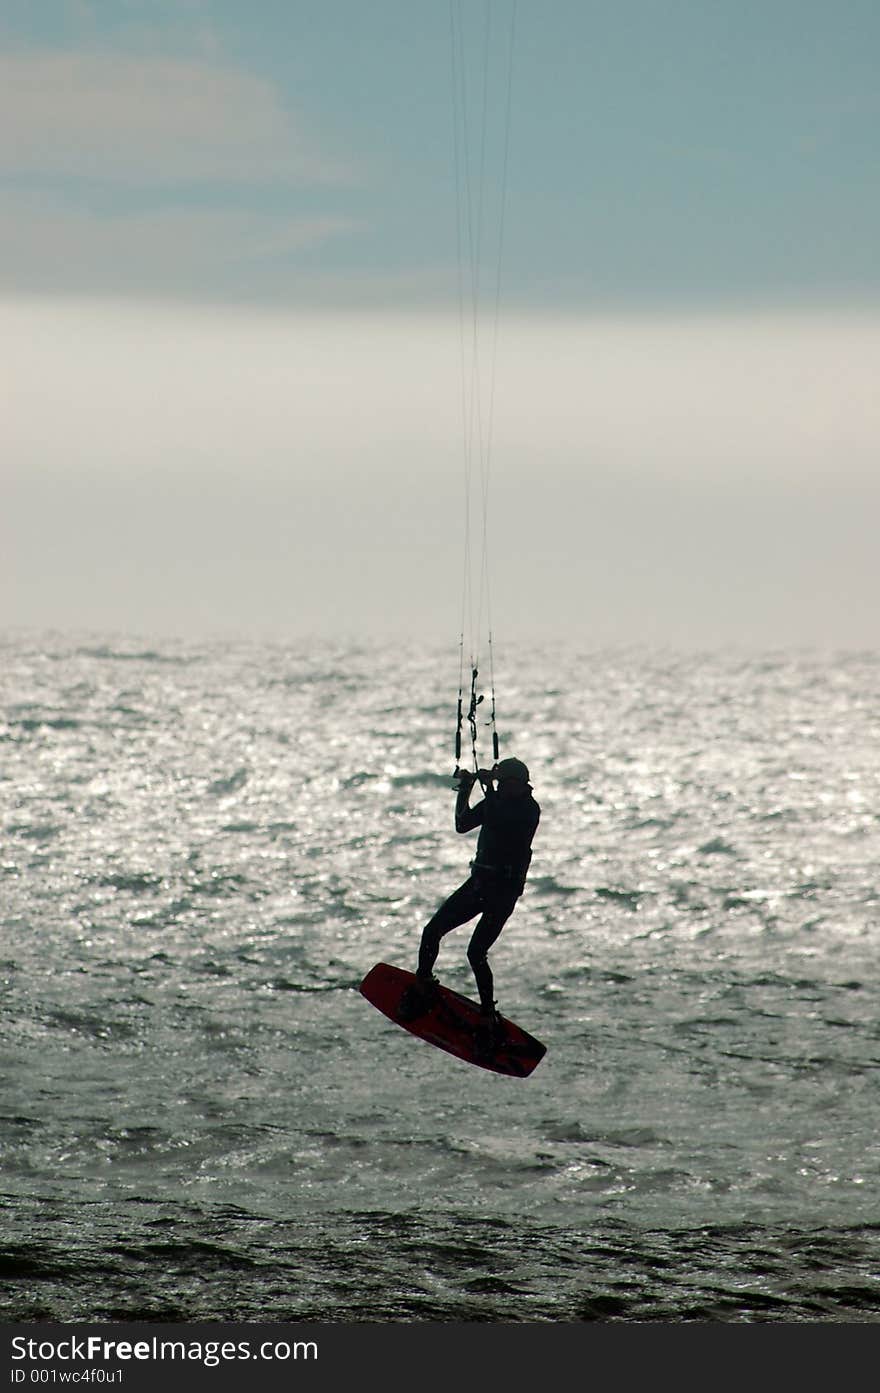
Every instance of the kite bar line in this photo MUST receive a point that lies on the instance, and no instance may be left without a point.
(477, 397)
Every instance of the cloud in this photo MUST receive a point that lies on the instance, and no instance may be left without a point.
(719, 400)
(682, 480)
(45, 244)
(150, 120)
(718, 396)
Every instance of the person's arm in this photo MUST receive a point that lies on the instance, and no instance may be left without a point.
(466, 817)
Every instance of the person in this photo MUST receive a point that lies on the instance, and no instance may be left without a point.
(508, 818)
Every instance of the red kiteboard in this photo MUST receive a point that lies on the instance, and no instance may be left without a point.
(452, 1022)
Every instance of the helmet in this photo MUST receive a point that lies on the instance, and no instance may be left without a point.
(512, 769)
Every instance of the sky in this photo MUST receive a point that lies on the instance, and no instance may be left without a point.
(237, 392)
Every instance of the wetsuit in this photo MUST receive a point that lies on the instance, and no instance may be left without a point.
(498, 873)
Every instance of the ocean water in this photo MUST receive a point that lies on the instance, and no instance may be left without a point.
(207, 845)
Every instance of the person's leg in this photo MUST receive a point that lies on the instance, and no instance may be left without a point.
(463, 904)
(492, 921)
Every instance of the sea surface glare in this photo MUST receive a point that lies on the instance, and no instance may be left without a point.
(206, 846)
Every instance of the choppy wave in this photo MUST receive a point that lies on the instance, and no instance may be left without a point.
(153, 1261)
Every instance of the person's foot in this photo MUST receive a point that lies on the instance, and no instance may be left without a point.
(419, 997)
(489, 1027)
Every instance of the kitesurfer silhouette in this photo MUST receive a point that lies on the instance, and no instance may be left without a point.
(508, 818)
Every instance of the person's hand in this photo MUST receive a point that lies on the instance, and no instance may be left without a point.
(464, 778)
(486, 776)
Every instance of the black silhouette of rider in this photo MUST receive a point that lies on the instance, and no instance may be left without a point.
(507, 818)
